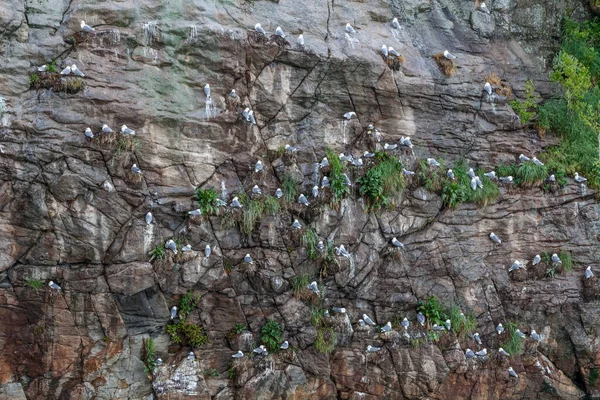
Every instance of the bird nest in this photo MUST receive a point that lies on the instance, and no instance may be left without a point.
(448, 67)
(133, 179)
(394, 62)
(195, 219)
(590, 293)
(279, 41)
(55, 82)
(308, 296)
(106, 139)
(501, 88)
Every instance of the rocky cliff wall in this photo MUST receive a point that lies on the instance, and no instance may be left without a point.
(72, 212)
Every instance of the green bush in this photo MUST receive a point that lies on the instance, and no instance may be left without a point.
(325, 342)
(254, 209)
(382, 181)
(270, 335)
(310, 239)
(459, 190)
(317, 317)
(526, 108)
(34, 78)
(461, 324)
(453, 194)
(337, 180)
(237, 329)
(513, 344)
(289, 187)
(529, 174)
(187, 302)
(433, 310)
(207, 201)
(173, 331)
(567, 261)
(34, 284)
(431, 178)
(299, 283)
(149, 356)
(194, 335)
(157, 253)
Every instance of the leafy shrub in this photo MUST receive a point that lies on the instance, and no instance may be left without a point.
(34, 78)
(157, 253)
(382, 181)
(34, 284)
(461, 324)
(207, 201)
(310, 239)
(270, 335)
(431, 178)
(325, 342)
(337, 180)
(459, 190)
(526, 108)
(149, 356)
(289, 187)
(271, 205)
(513, 344)
(194, 335)
(186, 303)
(212, 372)
(237, 329)
(173, 331)
(453, 194)
(433, 310)
(550, 272)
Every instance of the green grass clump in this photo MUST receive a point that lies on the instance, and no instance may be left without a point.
(187, 303)
(34, 284)
(593, 376)
(254, 209)
(459, 190)
(194, 335)
(526, 109)
(431, 178)
(433, 310)
(546, 257)
(382, 181)
(157, 253)
(310, 239)
(567, 261)
(207, 201)
(237, 329)
(325, 342)
(212, 372)
(299, 283)
(337, 180)
(317, 317)
(34, 78)
(173, 331)
(453, 194)
(513, 344)
(461, 324)
(289, 187)
(271, 205)
(529, 174)
(149, 356)
(270, 335)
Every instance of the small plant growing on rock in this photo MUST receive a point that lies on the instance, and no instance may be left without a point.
(149, 356)
(567, 261)
(530, 174)
(462, 324)
(125, 143)
(382, 181)
(433, 310)
(187, 303)
(237, 330)
(527, 108)
(317, 317)
(550, 272)
(325, 342)
(194, 335)
(289, 187)
(34, 284)
(452, 195)
(310, 239)
(593, 376)
(212, 372)
(173, 332)
(430, 178)
(513, 344)
(337, 180)
(270, 335)
(157, 253)
(207, 201)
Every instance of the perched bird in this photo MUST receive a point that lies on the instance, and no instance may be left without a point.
(384, 50)
(556, 259)
(448, 325)
(537, 259)
(251, 117)
(302, 200)
(448, 55)
(469, 354)
(76, 71)
(66, 71)
(478, 182)
(256, 190)
(473, 183)
(339, 310)
(324, 163)
(588, 272)
(488, 88)
(406, 172)
(207, 251)
(349, 114)
(524, 158)
(433, 162)
(279, 193)
(393, 52)
(368, 320)
(484, 8)
(552, 178)
(503, 352)
(261, 350)
(495, 238)
(397, 243)
(387, 327)
(135, 169)
(106, 129)
(246, 114)
(506, 179)
(537, 162)
(88, 133)
(535, 336)
(313, 286)
(421, 318)
(315, 191)
(537, 364)
(521, 334)
(350, 29)
(405, 141)
(296, 224)
(405, 323)
(187, 247)
(279, 32)
(149, 218)
(471, 173)
(491, 175)
(171, 245)
(54, 286)
(579, 179)
(516, 265)
(371, 349)
(43, 68)
(259, 29)
(368, 154)
(438, 328)
(221, 203)
(320, 245)
(450, 174)
(85, 27)
(248, 259)
(477, 338)
(195, 213)
(300, 41)
(390, 146)
(341, 251)
(258, 166)
(285, 345)
(395, 23)
(233, 94)
(499, 329)
(173, 312)
(361, 322)
(239, 354)
(326, 313)
(207, 91)
(159, 362)
(191, 356)
(290, 149)
(236, 203)
(126, 131)
(481, 353)
(512, 372)
(357, 162)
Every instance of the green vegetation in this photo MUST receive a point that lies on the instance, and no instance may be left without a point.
(289, 187)
(382, 181)
(325, 342)
(212, 372)
(231, 372)
(330, 260)
(337, 180)
(194, 335)
(157, 253)
(126, 144)
(461, 324)
(567, 261)
(299, 283)
(527, 174)
(526, 108)
(436, 313)
(513, 344)
(431, 178)
(270, 335)
(550, 272)
(186, 303)
(173, 332)
(460, 191)
(237, 329)
(593, 376)
(34, 284)
(317, 317)
(149, 356)
(575, 117)
(310, 239)
(254, 209)
(34, 78)
(207, 201)
(433, 310)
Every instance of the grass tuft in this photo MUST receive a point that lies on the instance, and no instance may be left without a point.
(270, 335)
(325, 342)
(34, 284)
(513, 344)
(382, 181)
(448, 67)
(289, 187)
(310, 239)
(207, 201)
(337, 180)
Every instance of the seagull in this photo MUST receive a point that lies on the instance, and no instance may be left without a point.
(256, 190)
(191, 356)
(291, 149)
(326, 313)
(506, 179)
(248, 259)
(397, 243)
(54, 286)
(537, 364)
(537, 259)
(339, 310)
(473, 183)
(315, 191)
(361, 322)
(512, 372)
(258, 166)
(448, 324)
(313, 286)
(85, 27)
(534, 335)
(148, 218)
(43, 68)
(357, 162)
(384, 50)
(390, 146)
(233, 94)
(106, 129)
(296, 224)
(239, 354)
(500, 329)
(552, 178)
(488, 88)
(320, 245)
(279, 32)
(285, 345)
(171, 245)
(393, 52)
(246, 114)
(207, 91)
(438, 328)
(450, 174)
(471, 173)
(491, 175)
(187, 247)
(421, 318)
(579, 179)
(76, 71)
(260, 349)
(477, 338)
(135, 169)
(88, 133)
(251, 117)
(350, 29)
(207, 251)
(368, 320)
(236, 203)
(279, 193)
(349, 114)
(448, 55)
(503, 352)
(126, 131)
(433, 162)
(195, 213)
(341, 251)
(521, 334)
(159, 362)
(406, 172)
(484, 8)
(481, 353)
(495, 238)
(324, 163)
(588, 273)
(367, 154)
(300, 41)
(469, 354)
(405, 141)
(405, 323)
(302, 200)
(516, 265)
(259, 29)
(387, 327)
(524, 158)
(537, 162)
(371, 349)
(173, 312)
(556, 259)
(395, 23)
(66, 71)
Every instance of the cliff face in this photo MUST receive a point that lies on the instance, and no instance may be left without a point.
(72, 212)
